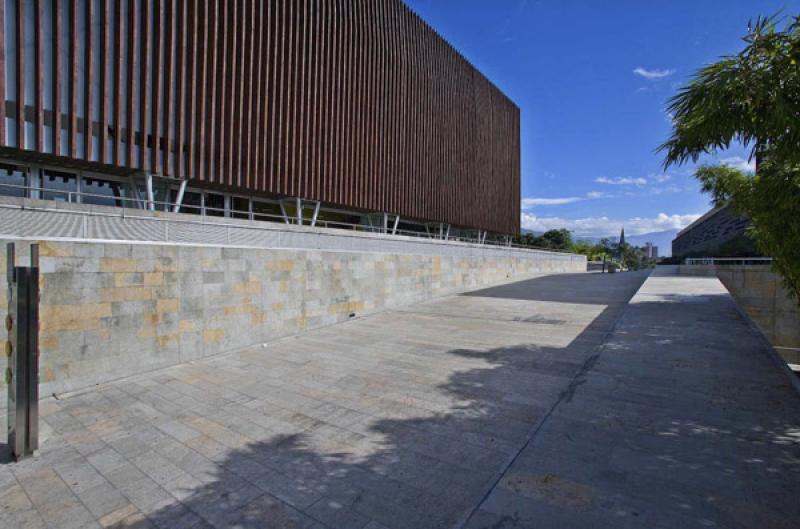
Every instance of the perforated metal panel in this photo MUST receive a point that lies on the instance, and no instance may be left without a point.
(84, 224)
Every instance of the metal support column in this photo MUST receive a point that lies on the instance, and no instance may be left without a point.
(299, 212)
(179, 199)
(283, 212)
(316, 214)
(396, 222)
(149, 187)
(22, 352)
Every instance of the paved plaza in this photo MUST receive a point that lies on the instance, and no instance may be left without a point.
(559, 401)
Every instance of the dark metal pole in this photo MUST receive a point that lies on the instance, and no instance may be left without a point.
(22, 350)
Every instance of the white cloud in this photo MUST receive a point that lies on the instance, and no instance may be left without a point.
(742, 164)
(653, 74)
(621, 181)
(530, 202)
(558, 201)
(607, 227)
(660, 178)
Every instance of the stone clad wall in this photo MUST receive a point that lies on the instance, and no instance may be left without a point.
(110, 310)
(758, 290)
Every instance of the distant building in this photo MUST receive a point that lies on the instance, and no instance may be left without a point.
(650, 251)
(706, 235)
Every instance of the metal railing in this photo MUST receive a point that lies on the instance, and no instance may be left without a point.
(132, 207)
(729, 261)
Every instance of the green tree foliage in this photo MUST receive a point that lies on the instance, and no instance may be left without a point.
(752, 98)
(551, 240)
(558, 239)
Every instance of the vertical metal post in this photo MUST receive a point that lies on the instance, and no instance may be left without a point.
(176, 208)
(299, 208)
(22, 350)
(385, 223)
(149, 188)
(396, 222)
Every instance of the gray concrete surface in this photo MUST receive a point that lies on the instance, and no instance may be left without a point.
(760, 292)
(683, 418)
(514, 406)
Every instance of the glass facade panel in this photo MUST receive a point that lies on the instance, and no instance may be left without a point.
(192, 201)
(11, 176)
(267, 211)
(105, 193)
(215, 205)
(240, 208)
(57, 185)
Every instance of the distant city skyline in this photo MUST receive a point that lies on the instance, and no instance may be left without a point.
(592, 80)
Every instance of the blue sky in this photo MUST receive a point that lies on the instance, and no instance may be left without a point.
(591, 79)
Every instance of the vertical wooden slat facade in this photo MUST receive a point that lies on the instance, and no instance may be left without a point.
(357, 103)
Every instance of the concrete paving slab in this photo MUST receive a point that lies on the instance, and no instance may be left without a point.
(682, 420)
(515, 406)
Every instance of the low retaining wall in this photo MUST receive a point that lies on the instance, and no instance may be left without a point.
(110, 310)
(758, 290)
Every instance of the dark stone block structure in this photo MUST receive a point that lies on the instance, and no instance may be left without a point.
(709, 232)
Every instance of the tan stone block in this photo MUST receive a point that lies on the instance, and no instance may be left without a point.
(283, 265)
(247, 287)
(48, 342)
(118, 264)
(147, 332)
(243, 308)
(48, 375)
(82, 317)
(167, 305)
(126, 294)
(127, 279)
(185, 326)
(54, 249)
(213, 335)
(165, 339)
(153, 279)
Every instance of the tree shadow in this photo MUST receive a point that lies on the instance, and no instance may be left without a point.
(565, 288)
(662, 457)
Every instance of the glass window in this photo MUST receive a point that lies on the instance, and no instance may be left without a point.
(215, 205)
(240, 208)
(13, 180)
(191, 203)
(105, 193)
(58, 185)
(267, 211)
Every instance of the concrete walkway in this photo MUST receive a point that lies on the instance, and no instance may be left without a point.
(681, 419)
(514, 406)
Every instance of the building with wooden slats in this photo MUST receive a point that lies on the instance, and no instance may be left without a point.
(356, 108)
